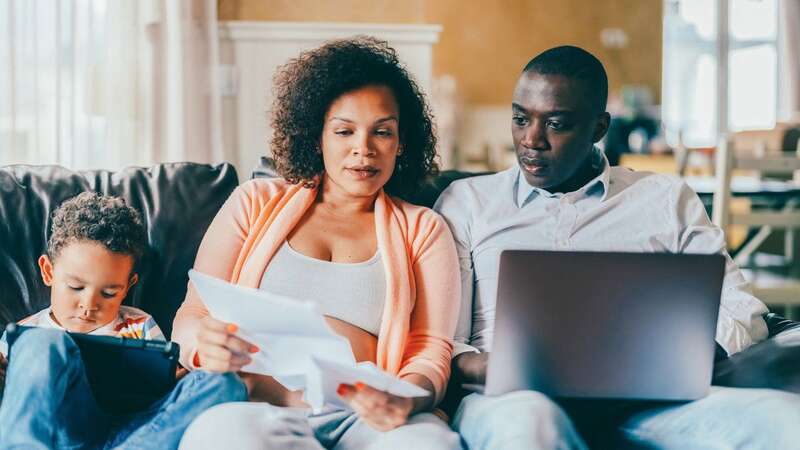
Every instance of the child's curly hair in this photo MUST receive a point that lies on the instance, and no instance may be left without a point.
(104, 219)
(305, 88)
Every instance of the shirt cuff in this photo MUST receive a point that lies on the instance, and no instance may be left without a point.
(459, 348)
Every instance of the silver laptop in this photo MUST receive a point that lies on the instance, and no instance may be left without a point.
(605, 325)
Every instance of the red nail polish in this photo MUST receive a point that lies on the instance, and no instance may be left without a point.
(254, 349)
(341, 389)
(359, 386)
(232, 328)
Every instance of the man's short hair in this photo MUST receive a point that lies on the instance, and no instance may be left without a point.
(106, 220)
(575, 63)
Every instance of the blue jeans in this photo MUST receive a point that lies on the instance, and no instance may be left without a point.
(48, 402)
(728, 418)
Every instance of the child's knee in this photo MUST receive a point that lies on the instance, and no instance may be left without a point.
(39, 342)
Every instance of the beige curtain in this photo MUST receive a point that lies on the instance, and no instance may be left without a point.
(109, 83)
(789, 100)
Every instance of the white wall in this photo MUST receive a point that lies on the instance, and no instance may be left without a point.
(250, 53)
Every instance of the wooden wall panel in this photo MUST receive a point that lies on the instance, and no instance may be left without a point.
(485, 44)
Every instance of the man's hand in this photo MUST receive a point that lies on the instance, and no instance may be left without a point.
(380, 410)
(470, 367)
(219, 349)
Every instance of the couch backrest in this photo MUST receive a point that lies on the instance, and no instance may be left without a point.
(177, 202)
(426, 196)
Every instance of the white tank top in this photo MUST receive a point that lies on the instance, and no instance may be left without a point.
(353, 293)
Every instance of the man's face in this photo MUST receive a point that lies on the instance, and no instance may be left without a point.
(554, 127)
(88, 284)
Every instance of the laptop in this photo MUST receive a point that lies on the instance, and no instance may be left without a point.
(599, 325)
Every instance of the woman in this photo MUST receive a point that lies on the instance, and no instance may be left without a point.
(352, 132)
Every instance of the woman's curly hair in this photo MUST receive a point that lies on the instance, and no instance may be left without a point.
(306, 86)
(106, 220)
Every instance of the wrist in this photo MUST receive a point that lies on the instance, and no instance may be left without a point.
(470, 367)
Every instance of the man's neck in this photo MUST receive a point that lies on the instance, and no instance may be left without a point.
(585, 173)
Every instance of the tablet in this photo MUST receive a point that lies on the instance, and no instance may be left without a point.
(126, 375)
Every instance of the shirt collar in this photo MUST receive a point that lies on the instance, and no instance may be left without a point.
(598, 185)
(105, 330)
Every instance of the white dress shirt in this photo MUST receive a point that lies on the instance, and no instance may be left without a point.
(619, 210)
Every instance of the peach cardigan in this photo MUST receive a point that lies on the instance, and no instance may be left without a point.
(417, 250)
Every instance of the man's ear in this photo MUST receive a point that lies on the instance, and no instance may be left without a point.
(601, 127)
(46, 270)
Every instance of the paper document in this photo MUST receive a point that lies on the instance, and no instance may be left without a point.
(328, 375)
(297, 346)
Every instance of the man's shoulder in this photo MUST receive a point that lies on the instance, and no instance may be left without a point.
(623, 178)
(477, 189)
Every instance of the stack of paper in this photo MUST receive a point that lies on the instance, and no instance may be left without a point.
(296, 345)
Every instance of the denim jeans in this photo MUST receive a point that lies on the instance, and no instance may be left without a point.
(48, 402)
(728, 418)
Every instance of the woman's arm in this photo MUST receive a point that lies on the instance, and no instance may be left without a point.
(433, 320)
(217, 256)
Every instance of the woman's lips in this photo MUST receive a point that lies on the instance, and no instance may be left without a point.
(362, 173)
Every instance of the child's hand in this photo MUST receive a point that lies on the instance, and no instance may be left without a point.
(219, 349)
(3, 366)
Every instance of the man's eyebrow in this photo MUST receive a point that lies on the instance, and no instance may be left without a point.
(518, 107)
(561, 112)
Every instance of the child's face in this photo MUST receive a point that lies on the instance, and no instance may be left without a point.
(88, 283)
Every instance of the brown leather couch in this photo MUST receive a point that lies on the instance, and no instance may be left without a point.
(178, 202)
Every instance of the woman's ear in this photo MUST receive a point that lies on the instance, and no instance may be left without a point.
(46, 270)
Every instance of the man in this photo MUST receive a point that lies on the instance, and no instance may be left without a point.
(562, 195)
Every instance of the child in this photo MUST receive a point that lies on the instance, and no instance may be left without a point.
(95, 244)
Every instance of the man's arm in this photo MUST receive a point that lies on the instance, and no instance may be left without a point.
(740, 318)
(468, 365)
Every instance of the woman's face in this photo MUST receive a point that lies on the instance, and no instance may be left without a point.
(360, 140)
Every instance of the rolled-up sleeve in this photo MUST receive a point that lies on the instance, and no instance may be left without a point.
(740, 322)
(429, 347)
(217, 256)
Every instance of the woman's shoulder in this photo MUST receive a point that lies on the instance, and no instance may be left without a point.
(420, 219)
(260, 191)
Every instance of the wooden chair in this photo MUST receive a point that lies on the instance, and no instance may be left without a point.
(776, 285)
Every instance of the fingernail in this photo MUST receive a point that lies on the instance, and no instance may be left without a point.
(232, 328)
(254, 349)
(359, 386)
(341, 389)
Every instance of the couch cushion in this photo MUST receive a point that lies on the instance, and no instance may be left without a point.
(177, 202)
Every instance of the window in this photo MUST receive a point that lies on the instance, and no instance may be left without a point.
(695, 74)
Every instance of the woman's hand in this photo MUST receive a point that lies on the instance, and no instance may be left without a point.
(381, 410)
(218, 348)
